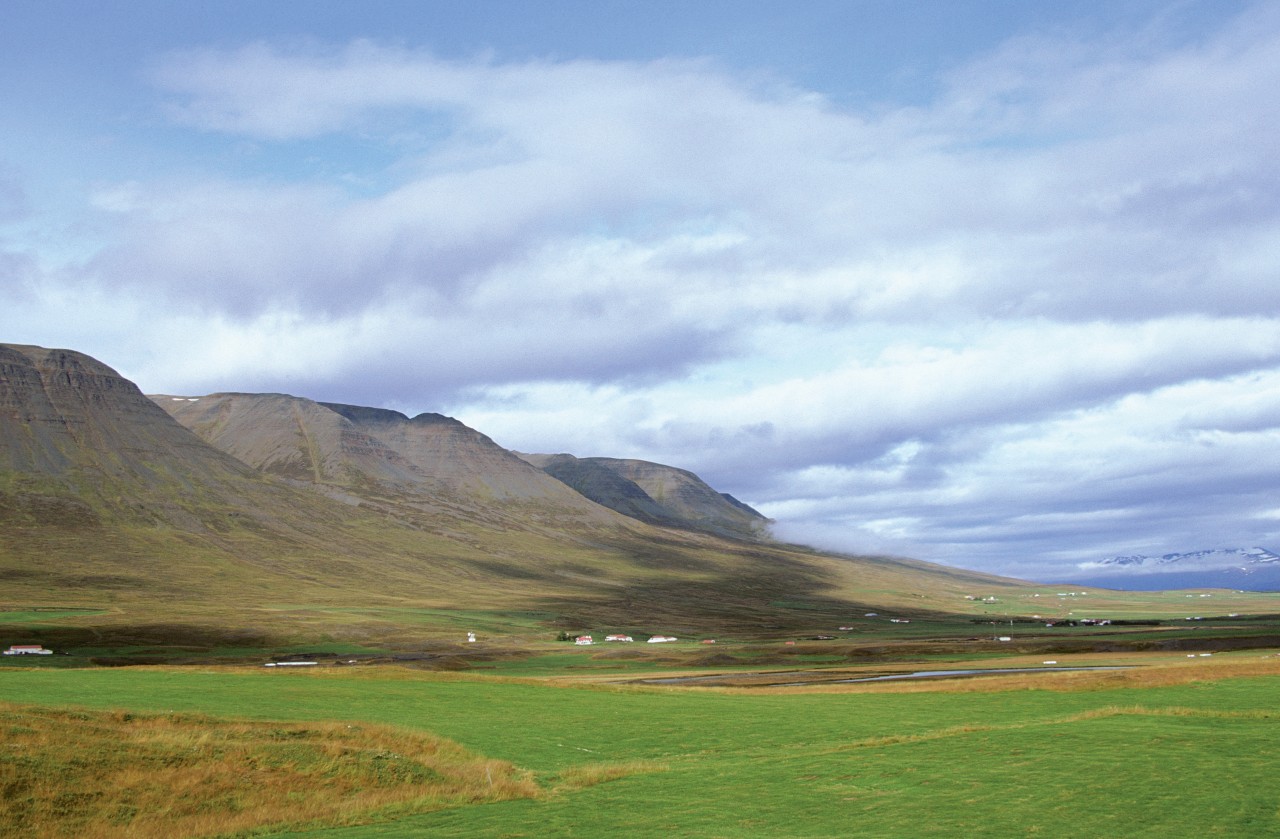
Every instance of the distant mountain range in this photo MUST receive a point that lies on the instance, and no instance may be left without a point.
(1246, 569)
(298, 516)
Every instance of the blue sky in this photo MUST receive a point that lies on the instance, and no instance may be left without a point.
(986, 283)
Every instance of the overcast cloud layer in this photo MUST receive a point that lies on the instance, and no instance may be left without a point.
(1029, 321)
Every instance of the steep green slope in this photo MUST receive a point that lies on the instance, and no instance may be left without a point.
(688, 496)
(654, 493)
(602, 485)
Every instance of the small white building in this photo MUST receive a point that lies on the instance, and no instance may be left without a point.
(290, 664)
(625, 638)
(27, 649)
(584, 640)
(662, 639)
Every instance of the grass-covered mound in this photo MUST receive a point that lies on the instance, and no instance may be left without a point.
(106, 774)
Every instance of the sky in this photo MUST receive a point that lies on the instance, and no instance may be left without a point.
(989, 283)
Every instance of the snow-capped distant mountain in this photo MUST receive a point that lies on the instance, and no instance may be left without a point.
(1210, 559)
(1250, 569)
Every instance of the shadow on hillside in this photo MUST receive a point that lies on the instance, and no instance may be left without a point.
(152, 643)
(713, 587)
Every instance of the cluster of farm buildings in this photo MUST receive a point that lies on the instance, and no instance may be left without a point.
(587, 640)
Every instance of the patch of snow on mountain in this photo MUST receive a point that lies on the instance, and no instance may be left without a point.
(1204, 560)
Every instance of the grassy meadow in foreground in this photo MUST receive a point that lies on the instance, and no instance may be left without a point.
(1178, 750)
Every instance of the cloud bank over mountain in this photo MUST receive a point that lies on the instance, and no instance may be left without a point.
(1022, 320)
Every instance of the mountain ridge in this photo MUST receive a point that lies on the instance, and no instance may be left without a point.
(108, 503)
(430, 460)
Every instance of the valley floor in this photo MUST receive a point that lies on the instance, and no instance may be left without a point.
(1129, 753)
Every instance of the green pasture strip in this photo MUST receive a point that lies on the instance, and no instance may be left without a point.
(43, 662)
(549, 728)
(497, 621)
(1127, 605)
(338, 648)
(80, 656)
(253, 654)
(43, 616)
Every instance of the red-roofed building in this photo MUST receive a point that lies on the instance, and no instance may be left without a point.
(27, 649)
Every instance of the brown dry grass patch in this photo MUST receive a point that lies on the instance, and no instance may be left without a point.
(588, 775)
(1139, 676)
(69, 773)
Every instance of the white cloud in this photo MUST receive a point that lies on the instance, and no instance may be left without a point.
(1006, 326)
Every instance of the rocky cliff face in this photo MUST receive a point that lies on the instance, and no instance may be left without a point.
(380, 456)
(458, 459)
(286, 436)
(70, 425)
(436, 462)
(654, 493)
(103, 492)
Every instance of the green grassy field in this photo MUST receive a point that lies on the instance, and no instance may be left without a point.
(1185, 750)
